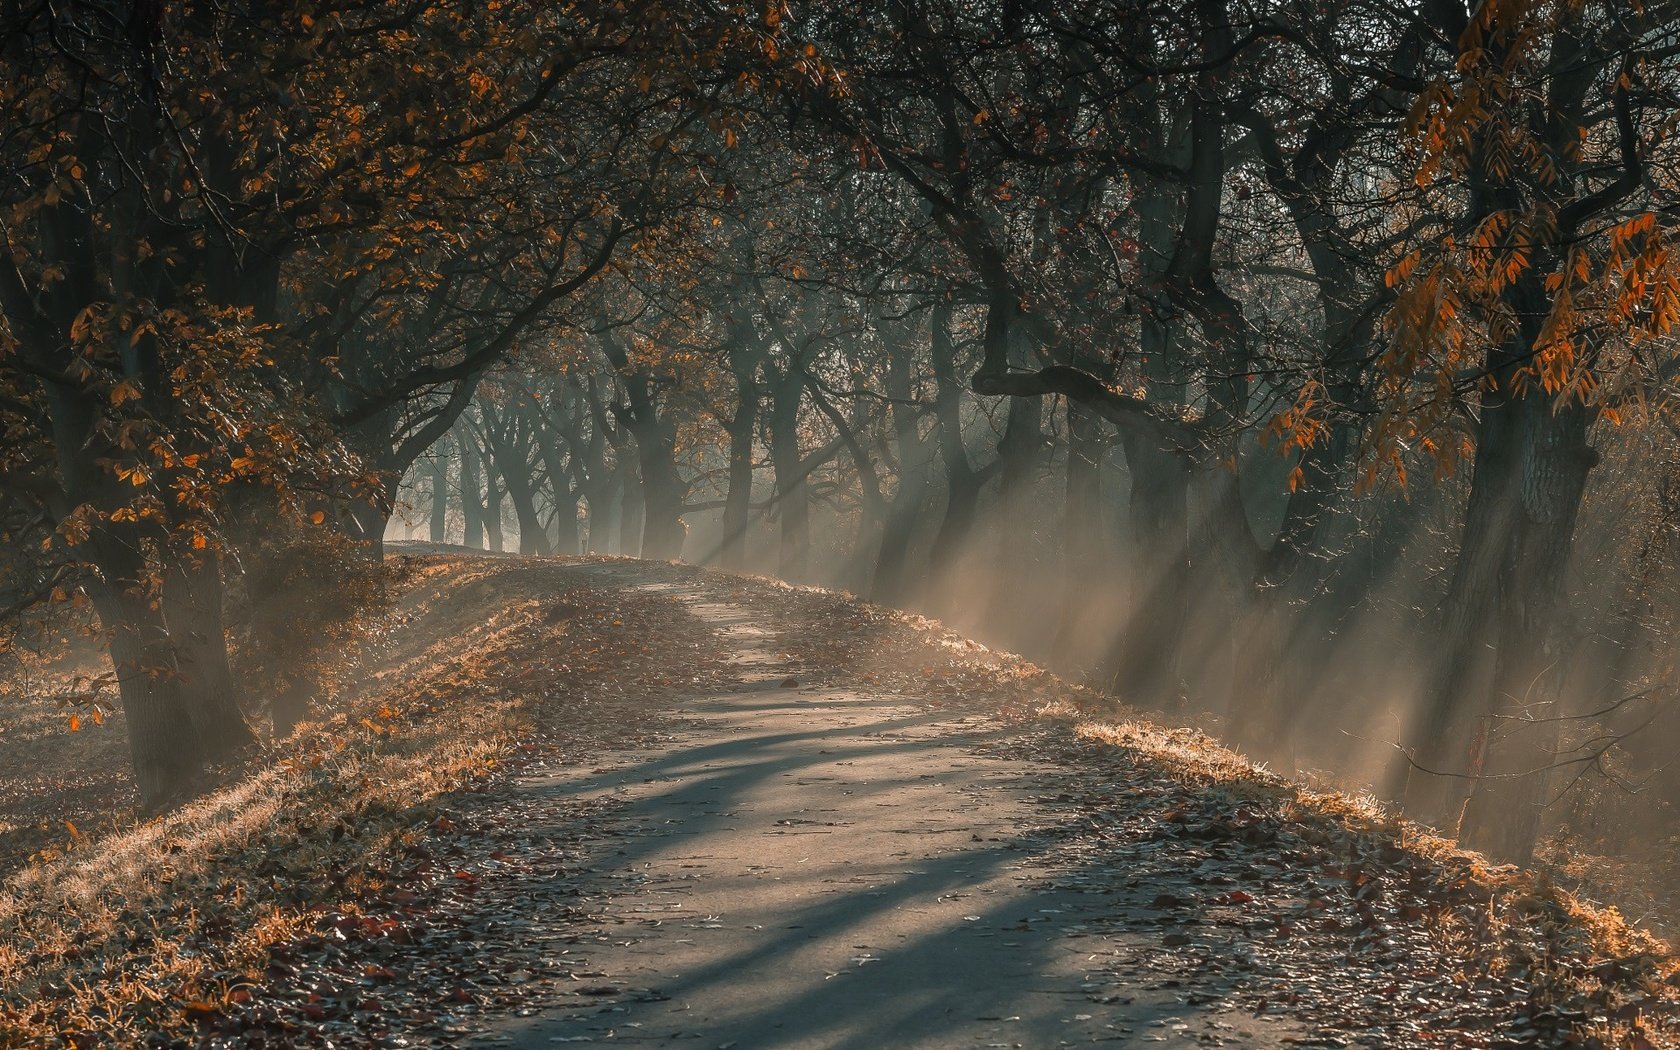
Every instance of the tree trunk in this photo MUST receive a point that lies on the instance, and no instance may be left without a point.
(793, 504)
(962, 481)
(1505, 805)
(567, 540)
(192, 608)
(630, 511)
(533, 537)
(737, 498)
(1499, 644)
(890, 584)
(493, 539)
(1083, 536)
(369, 518)
(472, 495)
(663, 530)
(1144, 666)
(439, 532)
(604, 506)
(513, 464)
(662, 492)
(1014, 562)
(163, 740)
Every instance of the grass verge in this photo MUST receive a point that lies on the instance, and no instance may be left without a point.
(143, 933)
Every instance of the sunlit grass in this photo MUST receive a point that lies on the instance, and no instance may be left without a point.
(108, 939)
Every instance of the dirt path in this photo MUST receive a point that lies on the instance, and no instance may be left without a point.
(588, 801)
(806, 866)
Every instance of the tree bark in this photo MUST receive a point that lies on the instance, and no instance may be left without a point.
(163, 739)
(962, 482)
(566, 538)
(493, 539)
(891, 584)
(737, 497)
(631, 511)
(1499, 641)
(1083, 535)
(602, 485)
(533, 536)
(1143, 667)
(605, 507)
(472, 495)
(192, 607)
(439, 523)
(793, 504)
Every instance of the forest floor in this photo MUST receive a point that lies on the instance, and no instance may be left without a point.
(594, 801)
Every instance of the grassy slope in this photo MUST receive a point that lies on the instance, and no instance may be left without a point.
(136, 930)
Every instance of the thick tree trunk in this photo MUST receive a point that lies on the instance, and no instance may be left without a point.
(890, 584)
(1019, 450)
(663, 495)
(533, 537)
(737, 497)
(1499, 646)
(369, 516)
(512, 434)
(1497, 651)
(1288, 612)
(1448, 747)
(567, 539)
(163, 739)
(602, 484)
(1505, 805)
(599, 489)
(604, 505)
(514, 467)
(192, 608)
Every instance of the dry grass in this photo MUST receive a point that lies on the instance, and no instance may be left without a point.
(116, 935)
(129, 931)
(1564, 950)
(50, 777)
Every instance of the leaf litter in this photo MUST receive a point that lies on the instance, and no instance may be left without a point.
(1305, 905)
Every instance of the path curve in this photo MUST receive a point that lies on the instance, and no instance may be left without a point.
(800, 866)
